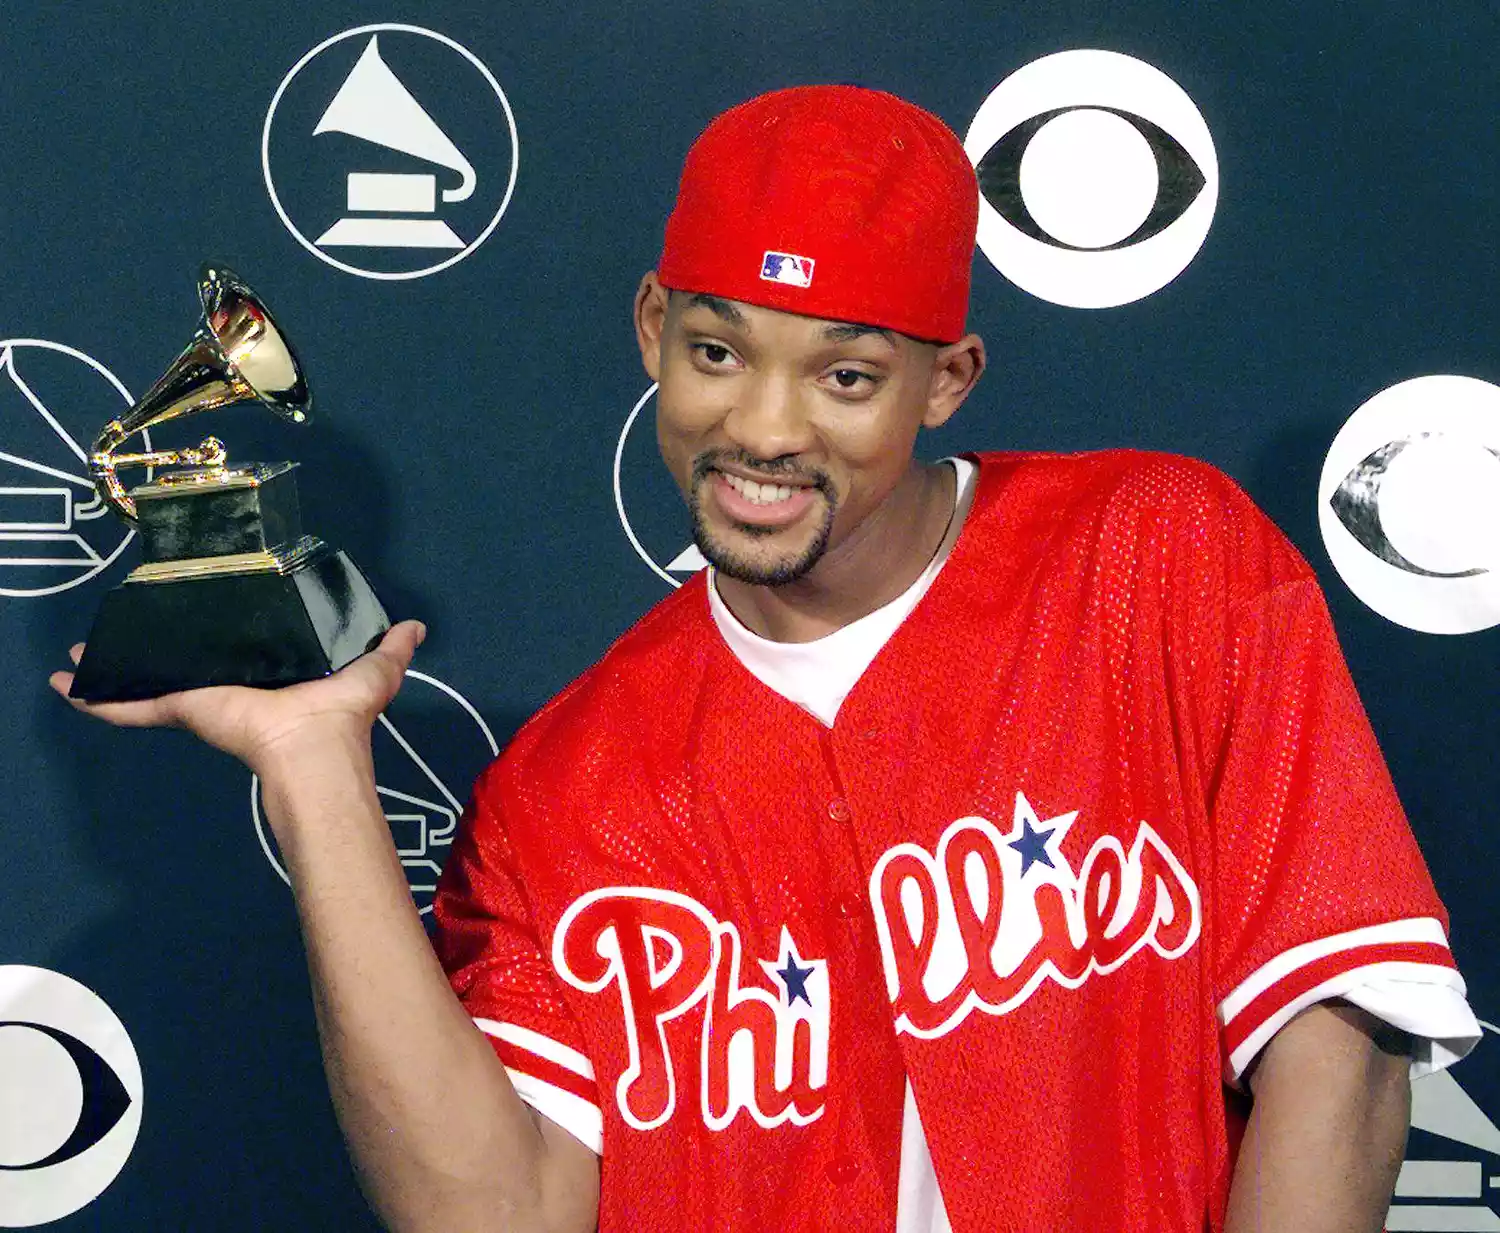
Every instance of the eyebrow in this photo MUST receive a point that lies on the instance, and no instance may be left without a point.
(720, 308)
(836, 333)
(847, 333)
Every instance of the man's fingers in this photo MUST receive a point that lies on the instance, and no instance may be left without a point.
(151, 713)
(376, 676)
(404, 637)
(374, 679)
(400, 644)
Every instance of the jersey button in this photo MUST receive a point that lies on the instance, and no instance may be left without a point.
(838, 810)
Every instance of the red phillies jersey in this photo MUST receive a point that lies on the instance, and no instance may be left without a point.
(1102, 814)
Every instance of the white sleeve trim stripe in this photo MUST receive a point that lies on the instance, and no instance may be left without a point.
(577, 1116)
(542, 1046)
(1420, 929)
(1421, 977)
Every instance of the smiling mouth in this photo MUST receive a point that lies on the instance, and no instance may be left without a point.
(760, 493)
(760, 507)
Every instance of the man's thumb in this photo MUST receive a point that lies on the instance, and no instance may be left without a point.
(401, 641)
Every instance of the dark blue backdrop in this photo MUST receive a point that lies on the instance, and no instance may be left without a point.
(468, 420)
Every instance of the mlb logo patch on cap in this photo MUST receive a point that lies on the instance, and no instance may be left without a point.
(787, 268)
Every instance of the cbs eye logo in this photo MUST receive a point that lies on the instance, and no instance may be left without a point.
(1409, 504)
(1097, 177)
(70, 1096)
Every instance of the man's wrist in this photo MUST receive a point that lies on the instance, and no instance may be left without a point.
(326, 775)
(311, 750)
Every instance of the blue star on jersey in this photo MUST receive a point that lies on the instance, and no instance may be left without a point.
(795, 980)
(1032, 845)
(1036, 841)
(794, 971)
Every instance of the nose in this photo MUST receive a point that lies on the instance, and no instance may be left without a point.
(769, 419)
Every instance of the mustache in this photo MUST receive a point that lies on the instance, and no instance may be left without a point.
(776, 468)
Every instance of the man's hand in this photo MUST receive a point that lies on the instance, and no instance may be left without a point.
(254, 725)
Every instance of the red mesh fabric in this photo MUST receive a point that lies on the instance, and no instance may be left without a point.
(1119, 641)
(491, 952)
(875, 192)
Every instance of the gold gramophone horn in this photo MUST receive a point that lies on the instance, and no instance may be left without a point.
(237, 354)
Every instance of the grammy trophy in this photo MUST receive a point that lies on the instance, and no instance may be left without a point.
(230, 590)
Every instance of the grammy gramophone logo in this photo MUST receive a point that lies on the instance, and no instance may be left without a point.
(428, 748)
(390, 151)
(56, 532)
(649, 506)
(1450, 1179)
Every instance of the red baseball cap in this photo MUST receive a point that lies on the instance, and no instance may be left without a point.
(830, 201)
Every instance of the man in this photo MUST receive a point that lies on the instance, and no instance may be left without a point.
(971, 848)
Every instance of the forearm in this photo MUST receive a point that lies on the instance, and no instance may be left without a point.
(1327, 1130)
(437, 1132)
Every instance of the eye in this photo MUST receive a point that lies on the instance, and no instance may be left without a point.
(714, 355)
(1059, 153)
(45, 1053)
(1098, 178)
(70, 1095)
(852, 378)
(1435, 461)
(1409, 504)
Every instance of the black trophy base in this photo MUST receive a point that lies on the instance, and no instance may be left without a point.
(262, 629)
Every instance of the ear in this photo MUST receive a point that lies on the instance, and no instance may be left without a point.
(650, 321)
(956, 369)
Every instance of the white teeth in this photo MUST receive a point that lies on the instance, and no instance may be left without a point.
(759, 494)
